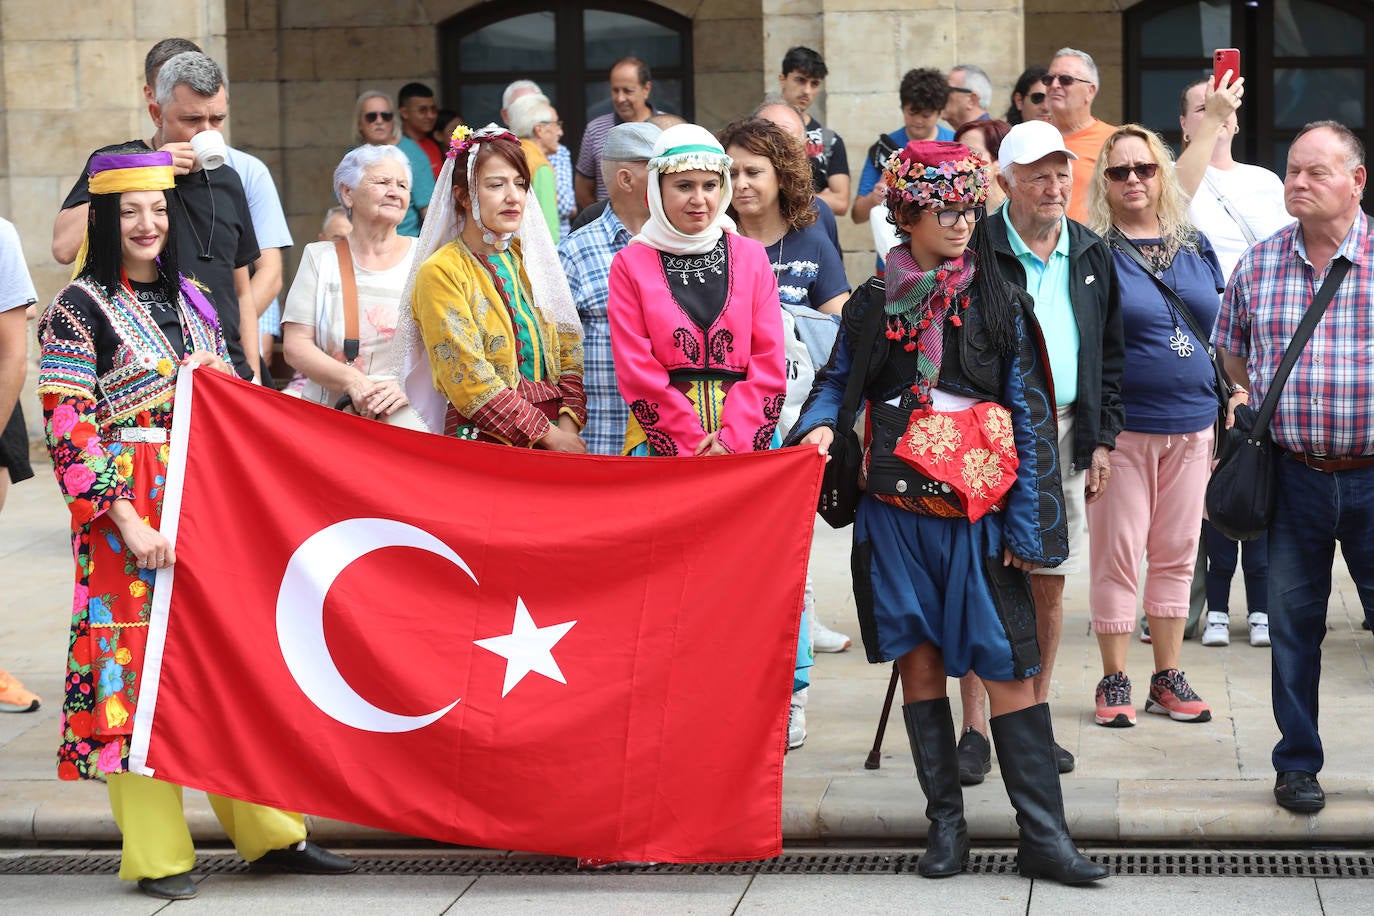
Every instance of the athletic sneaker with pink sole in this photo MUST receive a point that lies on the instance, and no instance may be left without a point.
(1114, 706)
(1171, 695)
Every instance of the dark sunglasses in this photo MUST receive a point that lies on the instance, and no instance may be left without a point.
(372, 116)
(1064, 80)
(950, 218)
(959, 89)
(1036, 98)
(1145, 171)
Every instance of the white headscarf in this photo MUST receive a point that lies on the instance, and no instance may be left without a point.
(443, 223)
(683, 148)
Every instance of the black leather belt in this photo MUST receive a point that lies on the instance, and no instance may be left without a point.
(1329, 464)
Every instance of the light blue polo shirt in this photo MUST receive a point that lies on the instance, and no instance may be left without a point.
(1048, 284)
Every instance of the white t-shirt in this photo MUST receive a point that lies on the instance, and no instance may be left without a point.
(316, 300)
(1255, 194)
(16, 286)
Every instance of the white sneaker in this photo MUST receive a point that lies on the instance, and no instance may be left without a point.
(1259, 628)
(1218, 630)
(796, 726)
(824, 639)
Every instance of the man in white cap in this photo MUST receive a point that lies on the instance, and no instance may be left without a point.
(586, 255)
(1068, 271)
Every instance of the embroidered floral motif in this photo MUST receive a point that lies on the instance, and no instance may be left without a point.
(998, 427)
(982, 470)
(660, 443)
(687, 342)
(935, 436)
(684, 267)
(772, 410)
(722, 342)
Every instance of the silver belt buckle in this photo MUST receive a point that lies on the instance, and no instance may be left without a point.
(153, 435)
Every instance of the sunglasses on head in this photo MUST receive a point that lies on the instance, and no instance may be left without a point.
(372, 116)
(1145, 171)
(1064, 80)
(1036, 98)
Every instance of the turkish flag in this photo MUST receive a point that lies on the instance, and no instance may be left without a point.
(570, 654)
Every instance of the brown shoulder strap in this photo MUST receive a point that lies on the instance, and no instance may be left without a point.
(349, 286)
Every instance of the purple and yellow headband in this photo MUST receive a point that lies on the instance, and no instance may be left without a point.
(465, 138)
(935, 173)
(115, 173)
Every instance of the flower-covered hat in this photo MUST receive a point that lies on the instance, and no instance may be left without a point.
(935, 173)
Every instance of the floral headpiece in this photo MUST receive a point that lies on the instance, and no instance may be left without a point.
(465, 138)
(935, 173)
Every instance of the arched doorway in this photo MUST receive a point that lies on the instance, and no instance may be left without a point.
(1303, 60)
(568, 49)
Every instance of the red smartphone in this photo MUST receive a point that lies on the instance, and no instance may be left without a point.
(1224, 59)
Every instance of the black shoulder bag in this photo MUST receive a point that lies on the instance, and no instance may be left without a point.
(1240, 495)
(1222, 382)
(839, 500)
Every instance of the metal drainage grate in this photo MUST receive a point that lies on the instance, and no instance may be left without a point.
(1202, 864)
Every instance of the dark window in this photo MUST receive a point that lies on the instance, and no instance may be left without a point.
(1303, 60)
(568, 49)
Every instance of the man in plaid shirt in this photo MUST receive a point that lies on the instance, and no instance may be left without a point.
(586, 257)
(1324, 423)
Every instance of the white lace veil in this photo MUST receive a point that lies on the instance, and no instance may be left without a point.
(443, 223)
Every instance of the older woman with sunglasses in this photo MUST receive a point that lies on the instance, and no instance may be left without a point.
(375, 124)
(1159, 468)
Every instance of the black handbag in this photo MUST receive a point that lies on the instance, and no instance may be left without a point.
(1240, 495)
(1221, 381)
(839, 499)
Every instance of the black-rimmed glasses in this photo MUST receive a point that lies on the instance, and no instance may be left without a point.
(1065, 80)
(948, 219)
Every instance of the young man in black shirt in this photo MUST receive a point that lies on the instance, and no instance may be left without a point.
(803, 75)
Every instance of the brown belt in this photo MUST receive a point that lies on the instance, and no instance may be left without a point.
(1331, 463)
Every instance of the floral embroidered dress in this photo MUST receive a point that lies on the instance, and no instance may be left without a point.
(106, 378)
(505, 369)
(698, 346)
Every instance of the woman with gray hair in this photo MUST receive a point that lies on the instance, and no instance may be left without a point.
(531, 117)
(373, 184)
(374, 121)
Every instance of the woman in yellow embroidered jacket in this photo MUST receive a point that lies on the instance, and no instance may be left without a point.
(111, 343)
(491, 344)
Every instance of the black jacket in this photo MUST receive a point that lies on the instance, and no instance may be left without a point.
(1098, 412)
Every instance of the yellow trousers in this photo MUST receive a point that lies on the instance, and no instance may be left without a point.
(157, 842)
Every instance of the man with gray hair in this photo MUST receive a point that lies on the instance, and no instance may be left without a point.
(970, 90)
(516, 90)
(215, 232)
(586, 257)
(1071, 86)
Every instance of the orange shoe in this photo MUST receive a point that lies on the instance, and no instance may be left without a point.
(13, 696)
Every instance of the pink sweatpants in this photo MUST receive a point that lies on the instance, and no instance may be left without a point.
(1152, 506)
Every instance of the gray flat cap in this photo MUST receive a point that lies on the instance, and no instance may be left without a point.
(630, 142)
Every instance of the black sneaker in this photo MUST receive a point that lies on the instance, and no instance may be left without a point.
(1299, 792)
(975, 758)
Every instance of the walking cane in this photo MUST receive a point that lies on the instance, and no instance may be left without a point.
(874, 760)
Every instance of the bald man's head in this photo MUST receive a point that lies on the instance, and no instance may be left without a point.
(785, 116)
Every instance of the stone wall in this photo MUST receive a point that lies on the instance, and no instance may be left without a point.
(1088, 25)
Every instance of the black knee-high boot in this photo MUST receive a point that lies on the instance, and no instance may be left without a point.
(930, 729)
(1025, 753)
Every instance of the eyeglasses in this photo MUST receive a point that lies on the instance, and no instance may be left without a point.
(959, 89)
(1145, 171)
(1036, 98)
(1065, 80)
(373, 116)
(948, 219)
(546, 123)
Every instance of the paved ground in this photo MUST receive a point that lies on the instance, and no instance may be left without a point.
(1160, 782)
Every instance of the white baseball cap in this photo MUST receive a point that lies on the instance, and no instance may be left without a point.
(1031, 141)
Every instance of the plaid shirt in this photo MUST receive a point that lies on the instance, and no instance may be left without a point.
(586, 257)
(1327, 405)
(561, 160)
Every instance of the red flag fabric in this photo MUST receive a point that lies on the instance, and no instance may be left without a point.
(479, 644)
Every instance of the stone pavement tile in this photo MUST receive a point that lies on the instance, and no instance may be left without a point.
(873, 806)
(1174, 895)
(62, 895)
(299, 895)
(324, 831)
(1345, 896)
(881, 895)
(1219, 810)
(801, 805)
(19, 804)
(603, 895)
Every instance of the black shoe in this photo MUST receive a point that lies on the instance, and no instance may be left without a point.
(305, 858)
(172, 887)
(1025, 753)
(930, 729)
(1063, 759)
(975, 758)
(1299, 792)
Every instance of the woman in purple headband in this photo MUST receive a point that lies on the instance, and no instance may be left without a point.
(113, 341)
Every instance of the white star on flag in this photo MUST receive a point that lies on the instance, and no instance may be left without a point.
(527, 648)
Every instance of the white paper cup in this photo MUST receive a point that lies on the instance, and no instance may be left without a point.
(210, 149)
